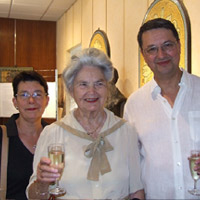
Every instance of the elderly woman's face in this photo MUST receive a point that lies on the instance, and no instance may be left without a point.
(90, 89)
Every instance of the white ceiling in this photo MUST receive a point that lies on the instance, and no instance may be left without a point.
(45, 10)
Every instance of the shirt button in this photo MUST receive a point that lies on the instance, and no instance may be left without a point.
(173, 118)
(178, 164)
(97, 185)
(180, 188)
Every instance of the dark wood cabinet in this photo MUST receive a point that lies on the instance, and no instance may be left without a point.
(6, 42)
(29, 43)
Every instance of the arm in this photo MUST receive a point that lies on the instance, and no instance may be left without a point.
(45, 175)
(135, 167)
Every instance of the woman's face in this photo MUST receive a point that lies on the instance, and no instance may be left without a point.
(90, 89)
(31, 107)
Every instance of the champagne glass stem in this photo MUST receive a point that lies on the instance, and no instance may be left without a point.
(57, 183)
(195, 184)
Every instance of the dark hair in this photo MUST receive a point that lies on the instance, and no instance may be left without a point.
(154, 24)
(28, 76)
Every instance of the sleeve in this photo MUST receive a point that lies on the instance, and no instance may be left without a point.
(46, 137)
(134, 161)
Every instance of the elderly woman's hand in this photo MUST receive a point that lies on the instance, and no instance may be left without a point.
(46, 172)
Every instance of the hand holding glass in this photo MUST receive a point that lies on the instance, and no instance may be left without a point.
(195, 155)
(57, 154)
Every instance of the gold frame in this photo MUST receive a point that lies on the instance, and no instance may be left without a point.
(8, 73)
(99, 40)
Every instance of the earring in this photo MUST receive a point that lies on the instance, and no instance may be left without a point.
(16, 107)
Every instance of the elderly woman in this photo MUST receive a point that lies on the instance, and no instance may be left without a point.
(101, 153)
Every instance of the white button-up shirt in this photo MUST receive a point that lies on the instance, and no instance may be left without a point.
(167, 135)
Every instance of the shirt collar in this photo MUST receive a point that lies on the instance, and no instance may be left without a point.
(155, 88)
(184, 80)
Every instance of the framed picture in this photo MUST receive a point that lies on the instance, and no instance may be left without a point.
(8, 73)
(61, 92)
(99, 40)
(174, 11)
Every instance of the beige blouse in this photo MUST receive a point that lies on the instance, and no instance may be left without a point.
(123, 177)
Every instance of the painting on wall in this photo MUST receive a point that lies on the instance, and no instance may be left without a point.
(174, 11)
(8, 73)
(99, 40)
(61, 97)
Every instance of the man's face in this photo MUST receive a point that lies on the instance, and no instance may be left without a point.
(161, 52)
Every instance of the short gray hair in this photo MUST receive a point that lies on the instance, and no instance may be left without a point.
(90, 57)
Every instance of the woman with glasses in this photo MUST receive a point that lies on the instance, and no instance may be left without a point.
(23, 130)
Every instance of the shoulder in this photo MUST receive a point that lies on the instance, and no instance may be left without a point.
(50, 128)
(141, 92)
(193, 77)
(138, 97)
(130, 128)
(192, 81)
(123, 126)
(12, 126)
(128, 134)
(54, 128)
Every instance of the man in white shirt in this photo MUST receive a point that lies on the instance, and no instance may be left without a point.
(166, 113)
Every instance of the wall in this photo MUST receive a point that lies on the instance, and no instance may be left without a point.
(6, 42)
(193, 11)
(121, 20)
(118, 20)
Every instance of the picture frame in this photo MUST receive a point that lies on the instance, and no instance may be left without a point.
(100, 41)
(61, 97)
(8, 73)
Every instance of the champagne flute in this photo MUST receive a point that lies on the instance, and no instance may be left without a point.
(56, 153)
(194, 156)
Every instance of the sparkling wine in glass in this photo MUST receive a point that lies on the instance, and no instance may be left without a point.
(194, 156)
(56, 153)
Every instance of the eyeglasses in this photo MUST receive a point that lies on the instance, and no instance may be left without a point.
(165, 47)
(35, 95)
